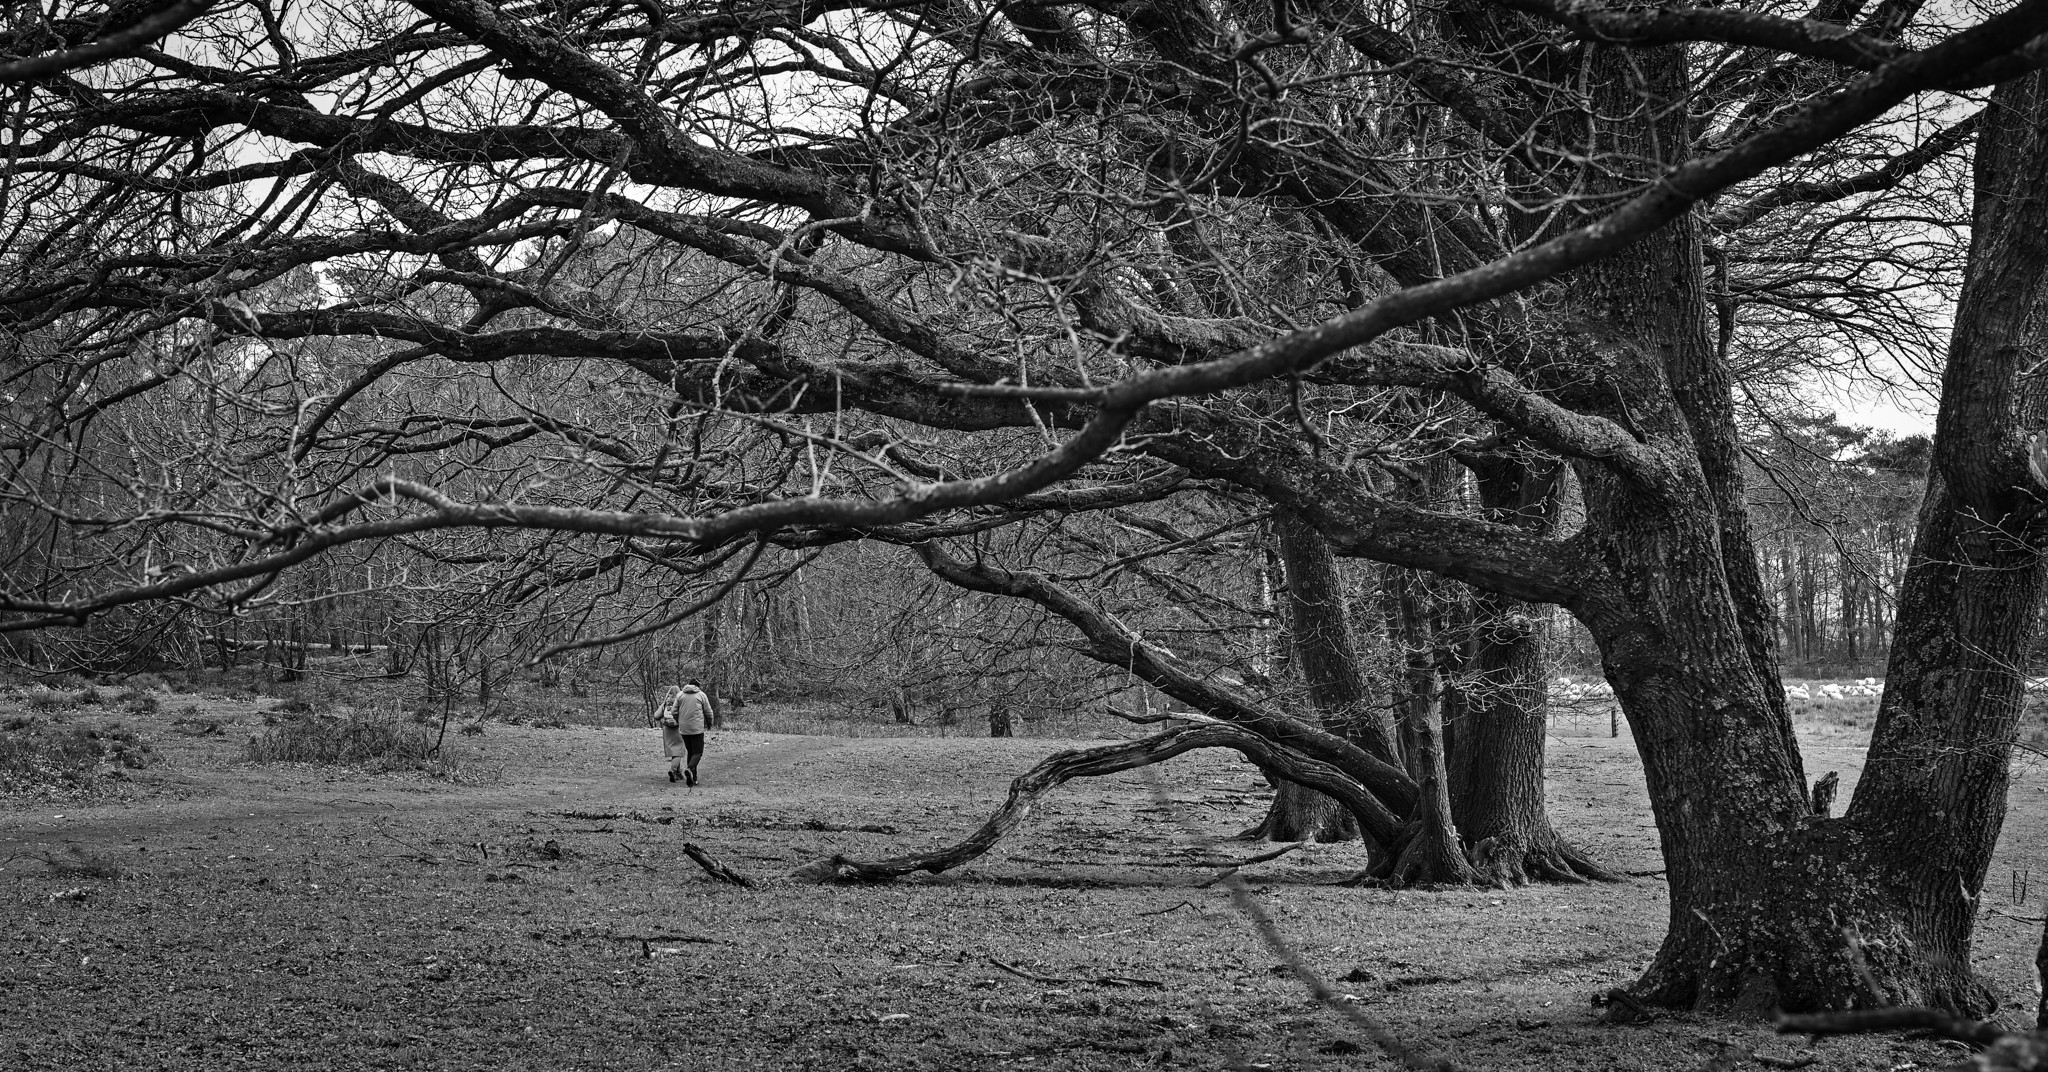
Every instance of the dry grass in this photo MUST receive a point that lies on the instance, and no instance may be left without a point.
(329, 917)
(352, 739)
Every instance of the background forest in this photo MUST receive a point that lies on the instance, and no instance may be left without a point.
(865, 630)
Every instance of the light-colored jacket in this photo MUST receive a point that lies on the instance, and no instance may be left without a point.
(691, 708)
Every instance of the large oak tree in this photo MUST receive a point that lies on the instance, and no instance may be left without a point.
(618, 286)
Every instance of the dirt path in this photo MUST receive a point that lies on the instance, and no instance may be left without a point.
(525, 770)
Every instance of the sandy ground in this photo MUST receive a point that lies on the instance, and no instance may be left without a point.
(544, 916)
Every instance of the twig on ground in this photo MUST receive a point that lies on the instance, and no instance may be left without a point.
(1801, 1061)
(608, 816)
(1241, 864)
(690, 939)
(715, 869)
(1100, 980)
(1125, 980)
(1175, 908)
(420, 854)
(1022, 974)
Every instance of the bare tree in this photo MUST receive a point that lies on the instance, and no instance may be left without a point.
(621, 287)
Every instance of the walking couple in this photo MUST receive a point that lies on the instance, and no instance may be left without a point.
(683, 718)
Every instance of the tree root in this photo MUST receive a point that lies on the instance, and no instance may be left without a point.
(1492, 862)
(1372, 814)
(1432, 857)
(1508, 862)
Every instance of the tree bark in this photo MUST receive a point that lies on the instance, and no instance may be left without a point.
(1325, 649)
(1932, 797)
(1497, 759)
(1431, 853)
(1498, 802)
(1770, 905)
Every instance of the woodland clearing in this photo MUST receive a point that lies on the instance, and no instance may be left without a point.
(538, 912)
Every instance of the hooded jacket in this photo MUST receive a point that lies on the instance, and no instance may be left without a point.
(692, 710)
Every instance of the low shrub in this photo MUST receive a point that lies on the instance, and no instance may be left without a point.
(138, 701)
(37, 758)
(356, 740)
(44, 700)
(527, 711)
(75, 862)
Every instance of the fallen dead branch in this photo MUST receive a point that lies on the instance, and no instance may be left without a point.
(818, 825)
(1865, 1021)
(649, 950)
(607, 816)
(1054, 770)
(1241, 864)
(2003, 1051)
(1053, 980)
(715, 869)
(1802, 1061)
(1022, 974)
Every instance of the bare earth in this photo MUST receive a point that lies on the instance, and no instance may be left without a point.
(317, 918)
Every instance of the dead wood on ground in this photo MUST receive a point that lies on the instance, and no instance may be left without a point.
(2003, 1051)
(1111, 759)
(715, 869)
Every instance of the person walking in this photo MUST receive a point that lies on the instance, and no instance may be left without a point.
(684, 716)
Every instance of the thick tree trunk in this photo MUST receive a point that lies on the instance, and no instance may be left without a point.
(1770, 905)
(1932, 796)
(1931, 800)
(1498, 794)
(1431, 853)
(1497, 756)
(1299, 813)
(1325, 650)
